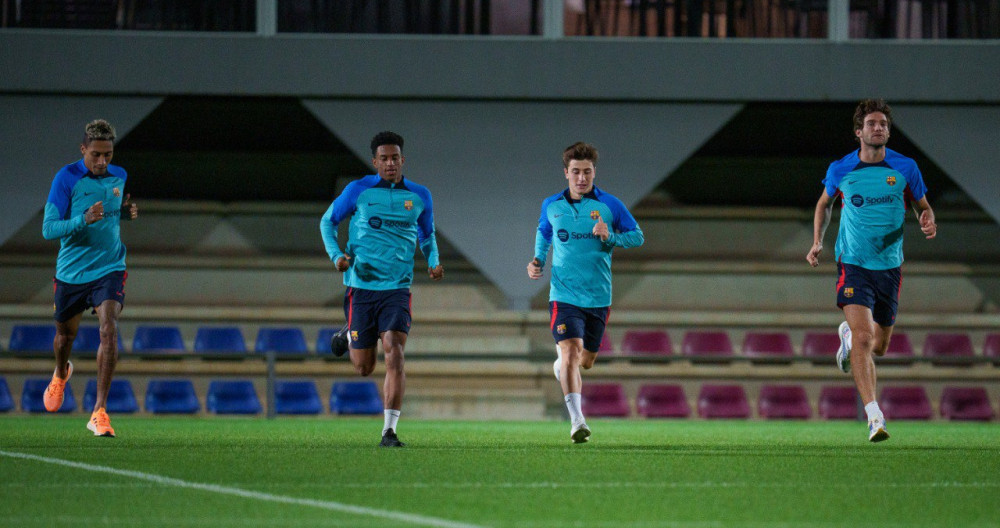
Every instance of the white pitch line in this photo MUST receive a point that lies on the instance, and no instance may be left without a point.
(247, 494)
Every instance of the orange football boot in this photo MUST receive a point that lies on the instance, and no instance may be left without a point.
(100, 424)
(53, 398)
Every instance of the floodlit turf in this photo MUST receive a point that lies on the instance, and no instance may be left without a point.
(311, 472)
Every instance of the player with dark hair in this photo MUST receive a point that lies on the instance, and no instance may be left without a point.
(84, 207)
(874, 184)
(391, 216)
(580, 289)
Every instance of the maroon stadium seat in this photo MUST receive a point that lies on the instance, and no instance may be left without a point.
(706, 344)
(783, 401)
(607, 347)
(905, 403)
(646, 342)
(821, 347)
(944, 347)
(991, 347)
(900, 348)
(662, 401)
(838, 403)
(768, 345)
(604, 399)
(723, 401)
(966, 403)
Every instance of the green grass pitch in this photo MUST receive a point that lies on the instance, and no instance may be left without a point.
(314, 472)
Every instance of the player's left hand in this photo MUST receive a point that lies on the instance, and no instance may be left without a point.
(436, 273)
(601, 230)
(927, 224)
(130, 210)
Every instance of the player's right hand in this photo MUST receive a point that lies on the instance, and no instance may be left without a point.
(343, 263)
(94, 214)
(535, 269)
(813, 256)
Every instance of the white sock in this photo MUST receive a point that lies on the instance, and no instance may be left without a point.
(573, 406)
(391, 417)
(874, 413)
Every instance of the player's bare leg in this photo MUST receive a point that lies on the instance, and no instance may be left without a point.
(62, 346)
(107, 359)
(572, 358)
(863, 343)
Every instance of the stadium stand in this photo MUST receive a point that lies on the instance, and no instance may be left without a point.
(723, 401)
(604, 400)
(945, 348)
(171, 397)
(355, 397)
(900, 348)
(34, 390)
(222, 340)
(121, 397)
(157, 339)
(607, 345)
(783, 402)
(662, 401)
(288, 340)
(838, 403)
(966, 403)
(769, 345)
(820, 346)
(296, 397)
(707, 344)
(646, 342)
(32, 338)
(905, 403)
(6, 401)
(232, 397)
(991, 347)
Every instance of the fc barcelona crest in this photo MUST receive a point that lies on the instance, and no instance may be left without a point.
(354, 335)
(117, 192)
(848, 292)
(891, 180)
(594, 215)
(408, 204)
(561, 329)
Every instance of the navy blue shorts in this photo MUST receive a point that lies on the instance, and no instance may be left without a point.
(876, 289)
(73, 299)
(371, 312)
(571, 322)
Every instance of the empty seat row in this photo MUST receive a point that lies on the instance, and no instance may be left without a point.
(168, 339)
(223, 397)
(782, 402)
(941, 346)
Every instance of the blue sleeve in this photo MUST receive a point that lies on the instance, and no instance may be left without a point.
(543, 236)
(425, 229)
(914, 180)
(55, 223)
(341, 208)
(834, 175)
(625, 230)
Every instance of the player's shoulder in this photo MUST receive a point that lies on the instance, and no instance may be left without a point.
(898, 161)
(549, 200)
(847, 163)
(70, 174)
(609, 199)
(416, 188)
(117, 171)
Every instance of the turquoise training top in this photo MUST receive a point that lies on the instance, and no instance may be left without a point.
(581, 262)
(874, 202)
(86, 252)
(388, 222)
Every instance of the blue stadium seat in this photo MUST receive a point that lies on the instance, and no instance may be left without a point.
(121, 398)
(171, 396)
(323, 341)
(355, 397)
(88, 339)
(157, 339)
(232, 397)
(296, 397)
(281, 340)
(32, 338)
(221, 340)
(34, 391)
(6, 401)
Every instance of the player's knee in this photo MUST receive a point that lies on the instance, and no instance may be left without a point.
(364, 369)
(587, 363)
(881, 348)
(865, 340)
(109, 334)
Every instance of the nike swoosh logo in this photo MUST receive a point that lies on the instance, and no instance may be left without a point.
(558, 215)
(88, 193)
(852, 182)
(372, 203)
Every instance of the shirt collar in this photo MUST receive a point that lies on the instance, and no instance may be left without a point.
(385, 183)
(592, 195)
